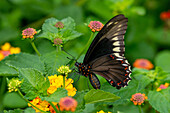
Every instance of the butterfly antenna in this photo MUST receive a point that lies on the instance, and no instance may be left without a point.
(69, 54)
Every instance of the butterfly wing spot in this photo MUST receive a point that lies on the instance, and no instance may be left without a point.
(109, 24)
(115, 22)
(115, 38)
(116, 43)
(117, 55)
(116, 49)
(120, 25)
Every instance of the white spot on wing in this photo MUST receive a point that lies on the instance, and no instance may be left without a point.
(115, 38)
(117, 49)
(115, 22)
(124, 64)
(116, 43)
(109, 24)
(120, 25)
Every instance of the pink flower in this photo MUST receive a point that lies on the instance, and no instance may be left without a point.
(68, 104)
(162, 86)
(28, 33)
(95, 26)
(138, 98)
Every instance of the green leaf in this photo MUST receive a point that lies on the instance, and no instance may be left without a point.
(29, 110)
(158, 101)
(14, 100)
(34, 83)
(80, 99)
(67, 33)
(25, 60)
(162, 60)
(54, 60)
(124, 93)
(94, 96)
(5, 70)
(56, 96)
(14, 111)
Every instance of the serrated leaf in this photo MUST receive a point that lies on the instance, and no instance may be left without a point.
(94, 96)
(54, 60)
(56, 96)
(5, 70)
(33, 82)
(158, 101)
(25, 60)
(48, 26)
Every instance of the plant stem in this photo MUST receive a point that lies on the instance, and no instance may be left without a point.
(35, 48)
(63, 81)
(56, 110)
(139, 107)
(58, 48)
(29, 101)
(88, 43)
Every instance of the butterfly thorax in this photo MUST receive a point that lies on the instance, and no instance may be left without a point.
(83, 69)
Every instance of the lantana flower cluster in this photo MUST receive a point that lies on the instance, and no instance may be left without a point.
(66, 103)
(7, 49)
(138, 98)
(57, 82)
(95, 26)
(14, 84)
(162, 86)
(143, 63)
(28, 33)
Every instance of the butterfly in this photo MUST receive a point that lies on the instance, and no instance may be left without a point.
(105, 56)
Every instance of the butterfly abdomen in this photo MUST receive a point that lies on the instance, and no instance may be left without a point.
(94, 81)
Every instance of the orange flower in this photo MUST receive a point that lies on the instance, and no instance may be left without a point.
(95, 26)
(143, 63)
(28, 33)
(68, 104)
(165, 15)
(138, 98)
(162, 87)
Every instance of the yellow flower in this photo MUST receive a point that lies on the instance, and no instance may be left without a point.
(15, 50)
(1, 56)
(64, 70)
(6, 46)
(43, 105)
(57, 81)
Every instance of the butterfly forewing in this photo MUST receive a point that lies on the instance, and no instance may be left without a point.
(110, 40)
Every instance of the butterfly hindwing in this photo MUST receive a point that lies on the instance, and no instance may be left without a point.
(115, 70)
(109, 40)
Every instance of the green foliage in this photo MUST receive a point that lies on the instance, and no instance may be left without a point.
(55, 97)
(160, 101)
(162, 60)
(94, 96)
(66, 33)
(14, 100)
(33, 81)
(147, 37)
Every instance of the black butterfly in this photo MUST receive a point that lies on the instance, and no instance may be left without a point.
(105, 55)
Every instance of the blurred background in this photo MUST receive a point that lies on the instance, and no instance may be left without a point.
(148, 33)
